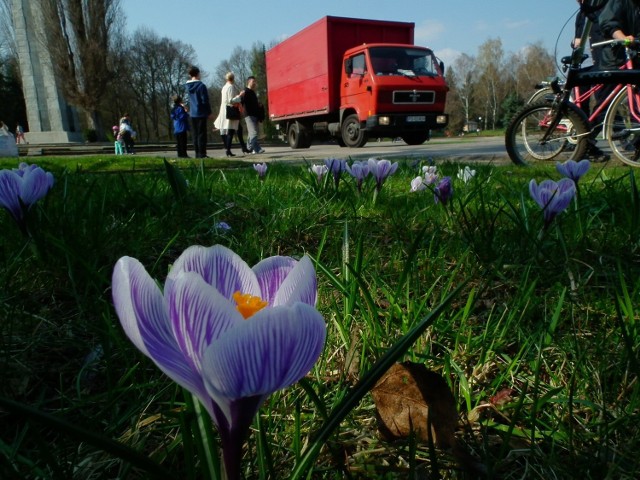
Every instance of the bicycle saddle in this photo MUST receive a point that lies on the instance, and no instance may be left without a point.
(567, 60)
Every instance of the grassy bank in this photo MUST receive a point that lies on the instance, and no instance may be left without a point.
(539, 347)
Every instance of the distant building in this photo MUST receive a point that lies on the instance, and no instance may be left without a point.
(470, 127)
(51, 119)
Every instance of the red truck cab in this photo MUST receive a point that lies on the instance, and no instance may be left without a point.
(353, 79)
(392, 90)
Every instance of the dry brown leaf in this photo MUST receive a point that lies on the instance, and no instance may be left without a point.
(409, 396)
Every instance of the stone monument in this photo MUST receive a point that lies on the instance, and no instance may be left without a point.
(51, 118)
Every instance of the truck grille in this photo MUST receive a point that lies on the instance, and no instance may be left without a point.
(414, 96)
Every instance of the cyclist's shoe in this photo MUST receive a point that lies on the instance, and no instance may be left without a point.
(620, 134)
(596, 155)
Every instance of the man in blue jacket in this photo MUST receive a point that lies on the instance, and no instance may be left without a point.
(200, 110)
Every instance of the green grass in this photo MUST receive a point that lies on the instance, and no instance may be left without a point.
(550, 315)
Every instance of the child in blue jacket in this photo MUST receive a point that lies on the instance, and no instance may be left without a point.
(180, 118)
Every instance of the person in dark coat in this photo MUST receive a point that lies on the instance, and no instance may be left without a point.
(254, 114)
(595, 34)
(200, 110)
(620, 20)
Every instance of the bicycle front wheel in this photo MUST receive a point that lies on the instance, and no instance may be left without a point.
(622, 126)
(527, 139)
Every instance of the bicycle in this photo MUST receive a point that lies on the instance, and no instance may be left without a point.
(544, 130)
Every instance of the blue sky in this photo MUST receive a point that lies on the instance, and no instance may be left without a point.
(449, 27)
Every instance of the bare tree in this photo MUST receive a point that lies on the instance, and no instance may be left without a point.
(157, 69)
(491, 76)
(465, 69)
(240, 63)
(77, 34)
(530, 66)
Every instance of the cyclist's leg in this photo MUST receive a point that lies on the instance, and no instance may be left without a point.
(622, 126)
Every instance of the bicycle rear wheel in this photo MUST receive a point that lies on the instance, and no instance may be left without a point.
(525, 133)
(622, 126)
(545, 93)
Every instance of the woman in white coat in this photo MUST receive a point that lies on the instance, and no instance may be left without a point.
(227, 127)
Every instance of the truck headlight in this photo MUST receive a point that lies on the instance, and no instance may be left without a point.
(384, 121)
(441, 119)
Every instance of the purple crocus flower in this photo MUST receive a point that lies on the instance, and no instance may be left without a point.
(319, 171)
(552, 197)
(430, 175)
(261, 168)
(417, 185)
(443, 191)
(381, 169)
(359, 170)
(22, 187)
(572, 169)
(230, 334)
(222, 226)
(336, 166)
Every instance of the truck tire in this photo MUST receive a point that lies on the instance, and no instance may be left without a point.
(352, 135)
(415, 138)
(297, 136)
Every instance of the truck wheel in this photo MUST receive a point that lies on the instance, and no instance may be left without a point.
(298, 137)
(417, 138)
(352, 135)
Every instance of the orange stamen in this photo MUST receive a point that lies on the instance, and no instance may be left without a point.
(247, 304)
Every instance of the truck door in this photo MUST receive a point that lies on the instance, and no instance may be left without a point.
(356, 79)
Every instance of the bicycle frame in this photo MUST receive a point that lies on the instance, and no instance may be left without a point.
(579, 98)
(576, 77)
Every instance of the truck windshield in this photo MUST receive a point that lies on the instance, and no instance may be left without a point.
(410, 62)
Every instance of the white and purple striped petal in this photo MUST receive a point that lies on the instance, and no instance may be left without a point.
(143, 314)
(198, 315)
(299, 286)
(271, 272)
(274, 349)
(218, 266)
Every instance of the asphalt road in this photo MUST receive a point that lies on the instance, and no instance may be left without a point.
(471, 149)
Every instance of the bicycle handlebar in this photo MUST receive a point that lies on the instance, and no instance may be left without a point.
(615, 41)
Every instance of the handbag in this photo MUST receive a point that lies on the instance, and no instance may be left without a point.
(233, 113)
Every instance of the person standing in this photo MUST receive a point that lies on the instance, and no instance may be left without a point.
(126, 134)
(591, 12)
(20, 134)
(200, 110)
(619, 20)
(254, 114)
(595, 34)
(180, 118)
(227, 126)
